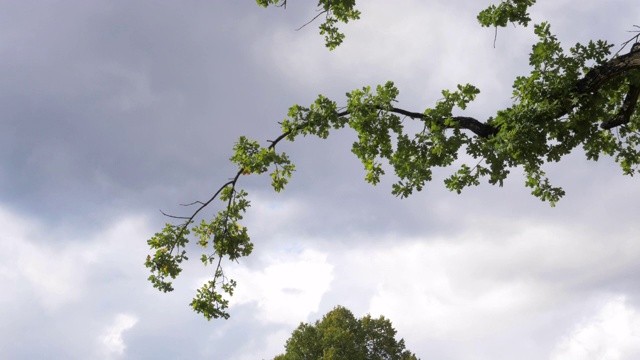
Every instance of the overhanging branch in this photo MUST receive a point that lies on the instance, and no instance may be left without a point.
(591, 82)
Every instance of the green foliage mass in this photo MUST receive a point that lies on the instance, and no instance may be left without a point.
(580, 97)
(340, 336)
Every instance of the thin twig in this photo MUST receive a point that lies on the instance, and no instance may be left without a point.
(312, 20)
(173, 216)
(193, 203)
(624, 44)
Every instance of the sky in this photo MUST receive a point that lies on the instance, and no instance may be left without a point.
(115, 110)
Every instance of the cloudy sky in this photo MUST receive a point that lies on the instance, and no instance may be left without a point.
(112, 110)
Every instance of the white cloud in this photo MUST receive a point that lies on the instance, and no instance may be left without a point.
(444, 290)
(112, 337)
(50, 271)
(488, 283)
(71, 280)
(57, 271)
(611, 334)
(289, 287)
(274, 341)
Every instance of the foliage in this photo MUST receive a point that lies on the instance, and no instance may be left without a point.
(580, 97)
(341, 336)
(334, 11)
(510, 11)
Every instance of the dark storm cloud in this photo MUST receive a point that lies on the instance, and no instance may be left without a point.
(103, 101)
(121, 104)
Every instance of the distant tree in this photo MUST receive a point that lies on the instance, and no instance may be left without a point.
(341, 336)
(583, 97)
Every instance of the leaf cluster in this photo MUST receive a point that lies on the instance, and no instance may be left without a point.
(251, 158)
(510, 11)
(334, 12)
(167, 258)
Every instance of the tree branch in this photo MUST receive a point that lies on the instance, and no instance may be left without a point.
(593, 80)
(232, 182)
(599, 75)
(312, 20)
(596, 78)
(628, 107)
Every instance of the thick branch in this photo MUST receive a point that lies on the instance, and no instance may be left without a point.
(591, 82)
(599, 75)
(629, 105)
(477, 127)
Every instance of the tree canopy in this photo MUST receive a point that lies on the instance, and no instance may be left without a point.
(580, 97)
(339, 335)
